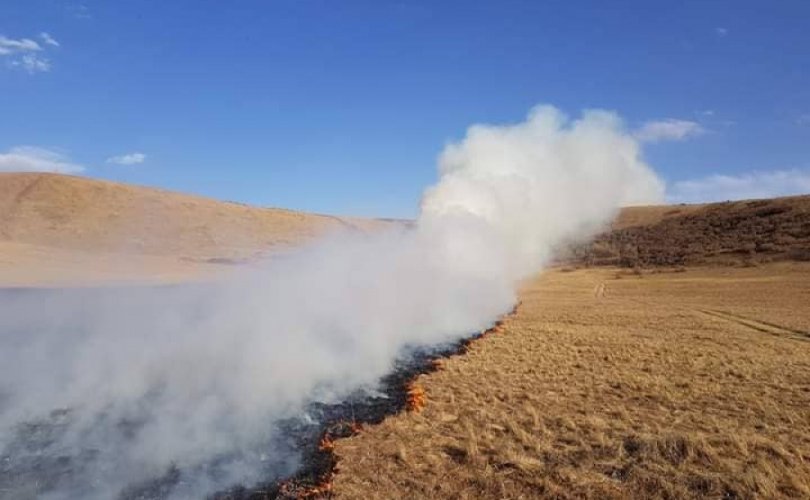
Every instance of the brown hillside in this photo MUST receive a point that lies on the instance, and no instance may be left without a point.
(747, 232)
(92, 215)
(56, 228)
(649, 215)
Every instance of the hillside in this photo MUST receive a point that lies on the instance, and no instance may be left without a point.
(92, 215)
(57, 229)
(651, 214)
(739, 232)
(61, 228)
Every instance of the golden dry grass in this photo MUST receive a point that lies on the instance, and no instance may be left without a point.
(650, 215)
(93, 215)
(607, 384)
(58, 229)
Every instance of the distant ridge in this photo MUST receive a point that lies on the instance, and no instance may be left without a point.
(78, 213)
(58, 230)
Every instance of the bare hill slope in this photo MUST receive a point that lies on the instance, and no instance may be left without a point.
(56, 228)
(92, 215)
(649, 215)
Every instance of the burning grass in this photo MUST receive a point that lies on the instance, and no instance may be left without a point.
(633, 393)
(320, 484)
(417, 399)
(404, 393)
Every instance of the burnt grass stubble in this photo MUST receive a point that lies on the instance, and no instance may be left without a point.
(344, 419)
(311, 437)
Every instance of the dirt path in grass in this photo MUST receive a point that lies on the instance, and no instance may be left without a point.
(626, 394)
(759, 325)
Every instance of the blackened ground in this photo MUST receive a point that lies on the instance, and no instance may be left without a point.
(335, 421)
(32, 462)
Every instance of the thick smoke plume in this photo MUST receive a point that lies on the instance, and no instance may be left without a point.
(130, 384)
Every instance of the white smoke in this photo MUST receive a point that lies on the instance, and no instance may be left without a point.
(198, 378)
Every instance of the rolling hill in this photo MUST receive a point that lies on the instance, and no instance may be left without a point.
(58, 229)
(744, 232)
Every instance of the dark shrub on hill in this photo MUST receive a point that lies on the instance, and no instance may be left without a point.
(743, 232)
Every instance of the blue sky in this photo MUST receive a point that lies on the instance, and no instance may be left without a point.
(342, 106)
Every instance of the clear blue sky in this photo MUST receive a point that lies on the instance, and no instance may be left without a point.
(342, 106)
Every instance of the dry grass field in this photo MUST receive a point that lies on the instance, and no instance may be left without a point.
(633, 382)
(609, 384)
(62, 230)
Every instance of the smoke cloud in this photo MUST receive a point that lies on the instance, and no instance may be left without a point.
(124, 385)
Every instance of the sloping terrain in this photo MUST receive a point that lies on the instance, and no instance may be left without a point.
(92, 215)
(650, 215)
(57, 229)
(63, 229)
(747, 232)
(607, 384)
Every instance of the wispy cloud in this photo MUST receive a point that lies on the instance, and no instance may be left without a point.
(741, 186)
(48, 39)
(26, 54)
(31, 63)
(36, 159)
(670, 129)
(79, 11)
(803, 120)
(10, 46)
(127, 159)
(721, 31)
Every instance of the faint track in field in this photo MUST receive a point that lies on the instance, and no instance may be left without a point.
(758, 325)
(754, 324)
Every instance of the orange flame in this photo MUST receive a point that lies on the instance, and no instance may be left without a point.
(417, 399)
(319, 491)
(326, 444)
(355, 427)
(291, 490)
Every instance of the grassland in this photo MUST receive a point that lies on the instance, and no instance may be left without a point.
(59, 230)
(632, 382)
(611, 384)
(62, 230)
